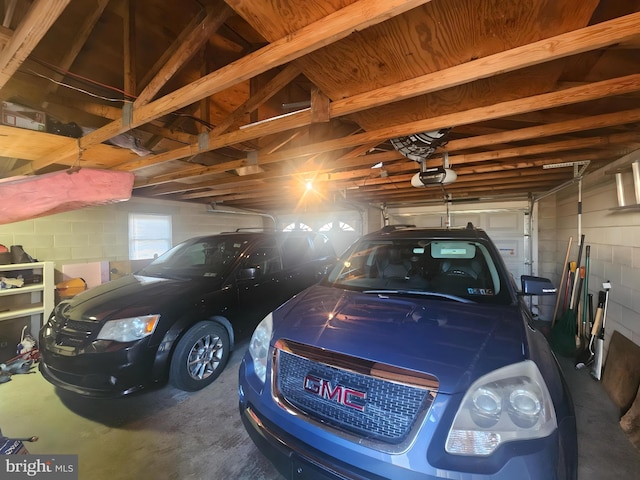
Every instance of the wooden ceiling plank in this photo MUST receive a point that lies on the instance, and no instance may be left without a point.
(326, 167)
(111, 113)
(277, 83)
(5, 36)
(78, 42)
(331, 28)
(537, 102)
(593, 91)
(41, 15)
(593, 155)
(578, 41)
(281, 140)
(320, 111)
(558, 128)
(582, 143)
(10, 8)
(129, 51)
(170, 51)
(184, 51)
(583, 93)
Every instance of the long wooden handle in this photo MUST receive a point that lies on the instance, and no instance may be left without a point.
(597, 322)
(564, 275)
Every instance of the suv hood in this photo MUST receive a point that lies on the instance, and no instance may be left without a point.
(133, 295)
(455, 342)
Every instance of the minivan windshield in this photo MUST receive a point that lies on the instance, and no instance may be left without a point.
(449, 268)
(200, 257)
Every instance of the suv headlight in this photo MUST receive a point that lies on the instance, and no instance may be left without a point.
(128, 329)
(259, 346)
(508, 404)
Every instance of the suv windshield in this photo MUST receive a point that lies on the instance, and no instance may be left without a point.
(199, 257)
(460, 268)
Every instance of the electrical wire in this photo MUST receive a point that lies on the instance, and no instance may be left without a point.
(81, 90)
(101, 97)
(81, 78)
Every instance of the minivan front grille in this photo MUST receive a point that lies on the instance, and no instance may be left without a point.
(361, 398)
(74, 328)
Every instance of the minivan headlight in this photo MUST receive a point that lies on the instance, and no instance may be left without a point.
(511, 403)
(259, 346)
(129, 329)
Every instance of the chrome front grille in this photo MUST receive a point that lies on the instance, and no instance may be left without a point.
(351, 395)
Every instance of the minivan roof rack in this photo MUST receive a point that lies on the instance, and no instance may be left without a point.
(255, 229)
(391, 228)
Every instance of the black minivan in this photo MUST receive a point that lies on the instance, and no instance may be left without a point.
(178, 318)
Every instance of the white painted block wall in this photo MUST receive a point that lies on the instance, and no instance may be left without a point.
(612, 233)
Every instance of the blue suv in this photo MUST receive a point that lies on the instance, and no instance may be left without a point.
(415, 358)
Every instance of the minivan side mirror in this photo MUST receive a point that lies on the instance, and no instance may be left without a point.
(247, 273)
(537, 286)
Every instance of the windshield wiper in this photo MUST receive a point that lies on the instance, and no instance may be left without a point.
(447, 296)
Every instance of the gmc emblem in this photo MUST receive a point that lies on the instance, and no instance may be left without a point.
(340, 394)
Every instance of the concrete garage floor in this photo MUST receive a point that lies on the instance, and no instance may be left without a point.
(170, 434)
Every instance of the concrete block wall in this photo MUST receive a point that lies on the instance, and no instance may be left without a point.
(613, 234)
(101, 233)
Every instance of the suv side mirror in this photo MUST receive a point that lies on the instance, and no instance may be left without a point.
(537, 286)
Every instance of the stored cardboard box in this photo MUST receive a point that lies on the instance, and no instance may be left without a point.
(20, 116)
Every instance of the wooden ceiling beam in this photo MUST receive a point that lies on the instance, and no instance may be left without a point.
(5, 36)
(524, 174)
(583, 143)
(170, 51)
(329, 29)
(571, 43)
(129, 52)
(277, 83)
(537, 102)
(307, 170)
(78, 42)
(260, 187)
(183, 50)
(526, 133)
(110, 113)
(558, 128)
(41, 15)
(593, 91)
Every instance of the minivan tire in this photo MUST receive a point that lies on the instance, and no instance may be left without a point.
(200, 356)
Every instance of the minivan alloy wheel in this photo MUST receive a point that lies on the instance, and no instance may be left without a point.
(205, 357)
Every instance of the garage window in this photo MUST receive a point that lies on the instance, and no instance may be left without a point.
(333, 226)
(149, 235)
(297, 226)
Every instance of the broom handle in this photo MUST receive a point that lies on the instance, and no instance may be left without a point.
(575, 282)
